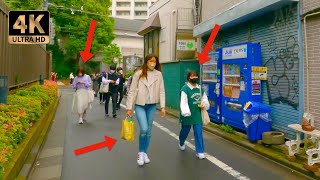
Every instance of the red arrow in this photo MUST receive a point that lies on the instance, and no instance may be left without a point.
(86, 55)
(203, 57)
(108, 142)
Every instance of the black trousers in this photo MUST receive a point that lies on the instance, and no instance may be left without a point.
(120, 95)
(114, 97)
(103, 96)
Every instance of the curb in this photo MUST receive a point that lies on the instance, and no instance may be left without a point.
(38, 145)
(274, 153)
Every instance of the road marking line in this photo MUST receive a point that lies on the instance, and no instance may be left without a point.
(209, 157)
(126, 107)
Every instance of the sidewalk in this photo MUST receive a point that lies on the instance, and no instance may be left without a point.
(276, 153)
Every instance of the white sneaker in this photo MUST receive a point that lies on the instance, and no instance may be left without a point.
(80, 121)
(146, 158)
(201, 155)
(140, 160)
(182, 148)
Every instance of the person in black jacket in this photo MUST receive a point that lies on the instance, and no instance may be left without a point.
(113, 91)
(121, 83)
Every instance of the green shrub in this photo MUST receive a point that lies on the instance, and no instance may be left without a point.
(227, 128)
(23, 110)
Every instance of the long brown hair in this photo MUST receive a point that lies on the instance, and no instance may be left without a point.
(144, 67)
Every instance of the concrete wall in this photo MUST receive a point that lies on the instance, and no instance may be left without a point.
(211, 8)
(313, 43)
(168, 11)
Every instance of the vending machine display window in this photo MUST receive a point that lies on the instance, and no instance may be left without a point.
(231, 80)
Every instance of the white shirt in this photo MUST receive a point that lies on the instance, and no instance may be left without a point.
(184, 106)
(107, 81)
(71, 76)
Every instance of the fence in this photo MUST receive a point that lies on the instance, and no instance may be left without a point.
(22, 64)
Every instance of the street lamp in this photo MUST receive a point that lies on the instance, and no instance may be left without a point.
(3, 89)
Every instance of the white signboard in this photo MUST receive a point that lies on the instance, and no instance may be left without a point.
(235, 52)
(186, 45)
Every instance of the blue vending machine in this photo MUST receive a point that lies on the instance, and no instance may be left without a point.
(211, 84)
(237, 86)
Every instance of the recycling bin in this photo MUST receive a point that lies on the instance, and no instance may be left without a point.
(256, 120)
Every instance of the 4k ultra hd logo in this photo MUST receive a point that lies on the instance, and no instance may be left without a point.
(29, 27)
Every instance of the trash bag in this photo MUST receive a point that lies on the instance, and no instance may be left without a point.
(127, 131)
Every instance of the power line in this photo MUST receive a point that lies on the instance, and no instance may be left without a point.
(76, 10)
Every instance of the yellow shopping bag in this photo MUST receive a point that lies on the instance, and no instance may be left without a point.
(127, 131)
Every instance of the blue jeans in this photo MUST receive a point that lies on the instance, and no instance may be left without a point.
(145, 115)
(197, 128)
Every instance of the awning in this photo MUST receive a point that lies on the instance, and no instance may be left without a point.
(150, 24)
(241, 12)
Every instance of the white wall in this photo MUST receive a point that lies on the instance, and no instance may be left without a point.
(168, 18)
(211, 8)
(132, 9)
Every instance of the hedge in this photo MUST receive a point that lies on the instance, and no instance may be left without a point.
(18, 116)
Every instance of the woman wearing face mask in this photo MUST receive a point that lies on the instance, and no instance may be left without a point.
(82, 83)
(191, 104)
(146, 90)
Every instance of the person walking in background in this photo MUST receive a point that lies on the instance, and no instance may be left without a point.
(114, 81)
(53, 76)
(81, 100)
(96, 86)
(191, 104)
(102, 95)
(71, 77)
(130, 80)
(146, 90)
(121, 84)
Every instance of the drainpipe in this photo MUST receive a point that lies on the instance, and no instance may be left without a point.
(171, 32)
(307, 57)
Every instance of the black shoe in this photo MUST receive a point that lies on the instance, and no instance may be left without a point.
(114, 116)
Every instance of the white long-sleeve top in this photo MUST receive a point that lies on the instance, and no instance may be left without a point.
(184, 106)
(107, 81)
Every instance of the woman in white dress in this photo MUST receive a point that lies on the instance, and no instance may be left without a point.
(83, 96)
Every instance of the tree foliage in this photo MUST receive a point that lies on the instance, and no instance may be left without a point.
(73, 29)
(110, 52)
(23, 4)
(76, 25)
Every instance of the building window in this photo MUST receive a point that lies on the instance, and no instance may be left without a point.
(141, 4)
(123, 4)
(123, 13)
(151, 43)
(141, 13)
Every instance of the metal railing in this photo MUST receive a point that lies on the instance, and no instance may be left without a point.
(23, 64)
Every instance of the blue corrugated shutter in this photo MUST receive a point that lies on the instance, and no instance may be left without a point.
(277, 33)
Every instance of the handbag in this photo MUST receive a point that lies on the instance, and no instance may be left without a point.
(204, 113)
(104, 88)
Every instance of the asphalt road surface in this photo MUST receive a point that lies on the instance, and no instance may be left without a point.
(225, 160)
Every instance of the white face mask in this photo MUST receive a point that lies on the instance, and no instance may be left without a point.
(151, 66)
(112, 71)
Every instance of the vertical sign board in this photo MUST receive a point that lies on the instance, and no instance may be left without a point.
(29, 27)
(256, 87)
(259, 73)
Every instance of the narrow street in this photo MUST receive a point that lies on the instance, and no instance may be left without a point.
(224, 159)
